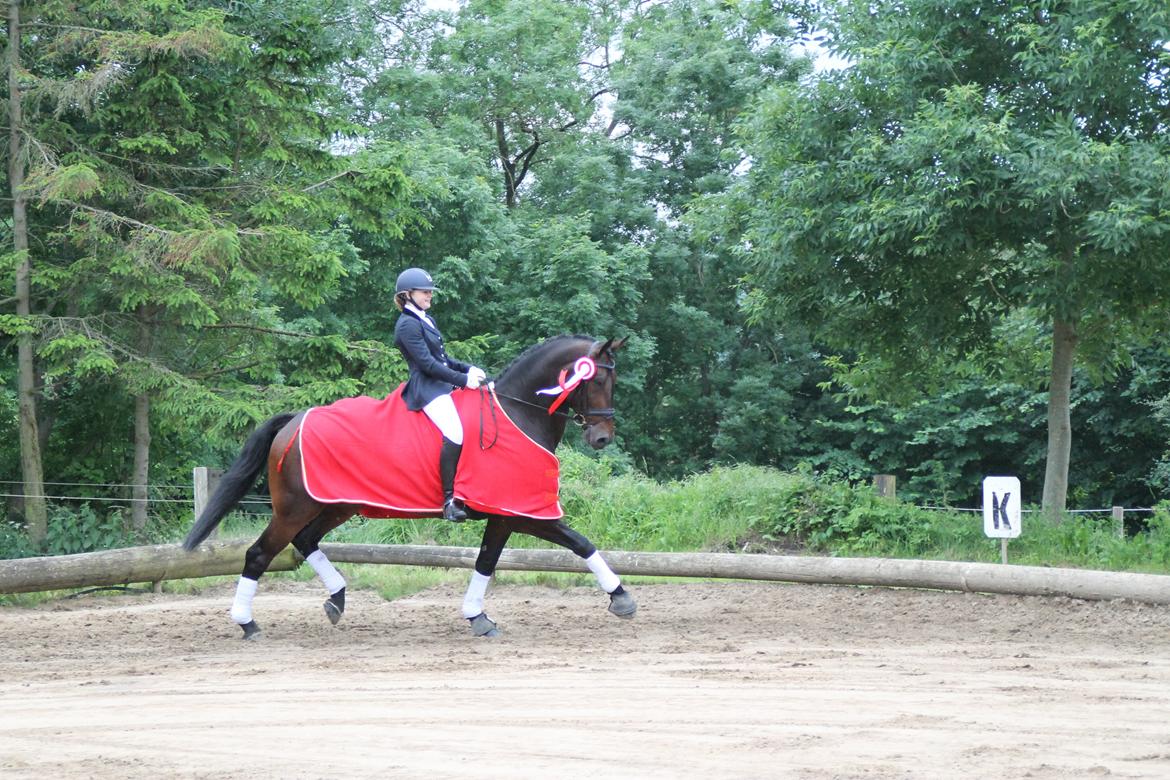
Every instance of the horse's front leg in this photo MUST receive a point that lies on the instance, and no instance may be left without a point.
(621, 603)
(495, 536)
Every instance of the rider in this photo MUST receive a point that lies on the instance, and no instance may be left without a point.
(433, 375)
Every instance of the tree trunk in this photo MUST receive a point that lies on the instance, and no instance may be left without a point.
(1064, 345)
(506, 165)
(35, 513)
(141, 476)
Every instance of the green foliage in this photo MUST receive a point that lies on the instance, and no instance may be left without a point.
(223, 196)
(69, 182)
(14, 542)
(923, 208)
(963, 169)
(82, 529)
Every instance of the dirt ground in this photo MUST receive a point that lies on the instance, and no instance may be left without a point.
(722, 680)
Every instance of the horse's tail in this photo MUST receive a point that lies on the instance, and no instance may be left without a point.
(238, 480)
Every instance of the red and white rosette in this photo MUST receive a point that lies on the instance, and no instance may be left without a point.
(584, 369)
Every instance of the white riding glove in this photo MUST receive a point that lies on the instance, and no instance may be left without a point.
(475, 377)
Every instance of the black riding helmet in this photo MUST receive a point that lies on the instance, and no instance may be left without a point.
(414, 279)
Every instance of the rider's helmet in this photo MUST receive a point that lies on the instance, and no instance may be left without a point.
(414, 279)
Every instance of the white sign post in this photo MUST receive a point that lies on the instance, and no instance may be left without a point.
(1001, 510)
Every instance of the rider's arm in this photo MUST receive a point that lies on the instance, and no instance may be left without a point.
(409, 337)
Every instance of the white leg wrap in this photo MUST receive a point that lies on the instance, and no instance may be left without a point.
(473, 599)
(326, 571)
(605, 575)
(242, 606)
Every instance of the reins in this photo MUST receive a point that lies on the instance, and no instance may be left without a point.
(484, 392)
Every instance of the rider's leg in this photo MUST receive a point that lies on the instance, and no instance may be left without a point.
(442, 413)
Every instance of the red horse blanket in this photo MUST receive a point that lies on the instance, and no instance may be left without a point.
(377, 453)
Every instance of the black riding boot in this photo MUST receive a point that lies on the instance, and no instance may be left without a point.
(448, 463)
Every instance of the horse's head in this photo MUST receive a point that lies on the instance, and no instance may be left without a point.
(593, 398)
(566, 378)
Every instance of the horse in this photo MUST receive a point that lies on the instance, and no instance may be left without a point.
(301, 520)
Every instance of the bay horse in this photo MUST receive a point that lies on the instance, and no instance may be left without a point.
(300, 519)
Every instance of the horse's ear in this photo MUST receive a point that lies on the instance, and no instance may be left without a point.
(598, 351)
(617, 344)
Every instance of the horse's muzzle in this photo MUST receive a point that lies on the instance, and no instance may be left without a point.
(599, 435)
(599, 442)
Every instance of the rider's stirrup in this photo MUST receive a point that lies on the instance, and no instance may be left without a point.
(453, 512)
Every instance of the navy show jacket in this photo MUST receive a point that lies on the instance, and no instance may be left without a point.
(432, 372)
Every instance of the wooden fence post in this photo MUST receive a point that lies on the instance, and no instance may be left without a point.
(885, 485)
(206, 481)
(1119, 521)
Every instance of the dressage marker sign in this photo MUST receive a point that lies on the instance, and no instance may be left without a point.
(1001, 510)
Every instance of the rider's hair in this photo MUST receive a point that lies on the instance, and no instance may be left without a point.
(400, 299)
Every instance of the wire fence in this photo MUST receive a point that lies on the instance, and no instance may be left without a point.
(166, 494)
(116, 493)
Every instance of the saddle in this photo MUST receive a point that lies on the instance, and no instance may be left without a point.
(380, 455)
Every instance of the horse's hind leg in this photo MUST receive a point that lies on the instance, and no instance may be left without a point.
(621, 603)
(280, 531)
(307, 542)
(495, 536)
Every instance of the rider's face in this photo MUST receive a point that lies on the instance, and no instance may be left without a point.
(421, 298)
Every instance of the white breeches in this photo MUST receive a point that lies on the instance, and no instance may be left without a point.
(446, 419)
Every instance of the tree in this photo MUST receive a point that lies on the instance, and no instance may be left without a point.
(30, 453)
(973, 160)
(513, 76)
(186, 192)
(687, 71)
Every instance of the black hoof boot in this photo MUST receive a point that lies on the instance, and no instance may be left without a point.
(622, 604)
(482, 625)
(251, 630)
(453, 512)
(335, 606)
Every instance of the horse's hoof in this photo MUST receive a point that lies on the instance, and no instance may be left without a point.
(622, 604)
(482, 625)
(251, 630)
(335, 606)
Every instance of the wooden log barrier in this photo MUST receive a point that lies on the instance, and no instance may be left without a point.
(888, 572)
(161, 562)
(132, 564)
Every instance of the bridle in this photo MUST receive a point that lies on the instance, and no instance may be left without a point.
(605, 413)
(582, 419)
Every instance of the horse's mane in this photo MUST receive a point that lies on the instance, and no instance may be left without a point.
(540, 346)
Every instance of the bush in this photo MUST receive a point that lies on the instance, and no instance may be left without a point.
(71, 529)
(823, 515)
(80, 529)
(14, 541)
